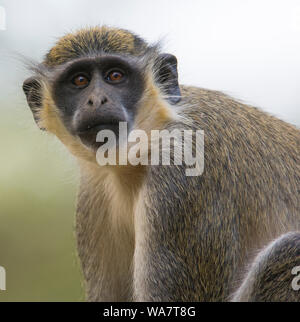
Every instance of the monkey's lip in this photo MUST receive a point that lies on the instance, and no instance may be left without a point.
(98, 127)
(88, 136)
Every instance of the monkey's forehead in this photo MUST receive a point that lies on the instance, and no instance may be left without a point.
(92, 40)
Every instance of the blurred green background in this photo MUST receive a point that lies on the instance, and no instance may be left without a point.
(37, 198)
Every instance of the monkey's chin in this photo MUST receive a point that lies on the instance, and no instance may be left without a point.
(90, 140)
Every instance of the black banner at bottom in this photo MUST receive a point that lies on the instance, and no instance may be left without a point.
(144, 311)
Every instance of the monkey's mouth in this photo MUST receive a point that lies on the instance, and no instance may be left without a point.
(92, 137)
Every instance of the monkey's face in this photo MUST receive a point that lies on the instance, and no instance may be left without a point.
(78, 99)
(95, 94)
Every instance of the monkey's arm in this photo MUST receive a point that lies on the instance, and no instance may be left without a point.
(105, 250)
(182, 251)
(275, 273)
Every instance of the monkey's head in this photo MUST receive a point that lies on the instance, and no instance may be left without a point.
(95, 78)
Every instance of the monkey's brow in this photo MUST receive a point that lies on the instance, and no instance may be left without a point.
(98, 58)
(95, 59)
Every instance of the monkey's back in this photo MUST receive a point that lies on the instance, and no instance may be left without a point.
(256, 152)
(250, 184)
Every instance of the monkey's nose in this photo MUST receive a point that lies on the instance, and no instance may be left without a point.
(97, 102)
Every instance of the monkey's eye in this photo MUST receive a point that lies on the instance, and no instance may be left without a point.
(80, 81)
(114, 76)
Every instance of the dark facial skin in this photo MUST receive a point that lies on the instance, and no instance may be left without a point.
(96, 94)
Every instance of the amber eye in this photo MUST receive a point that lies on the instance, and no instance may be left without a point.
(114, 76)
(80, 80)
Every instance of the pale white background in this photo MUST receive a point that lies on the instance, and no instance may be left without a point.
(249, 49)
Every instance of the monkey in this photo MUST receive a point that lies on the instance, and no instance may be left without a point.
(150, 232)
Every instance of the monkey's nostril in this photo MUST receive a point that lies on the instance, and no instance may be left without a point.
(104, 100)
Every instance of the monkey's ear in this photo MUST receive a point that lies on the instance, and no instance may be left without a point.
(168, 76)
(33, 91)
